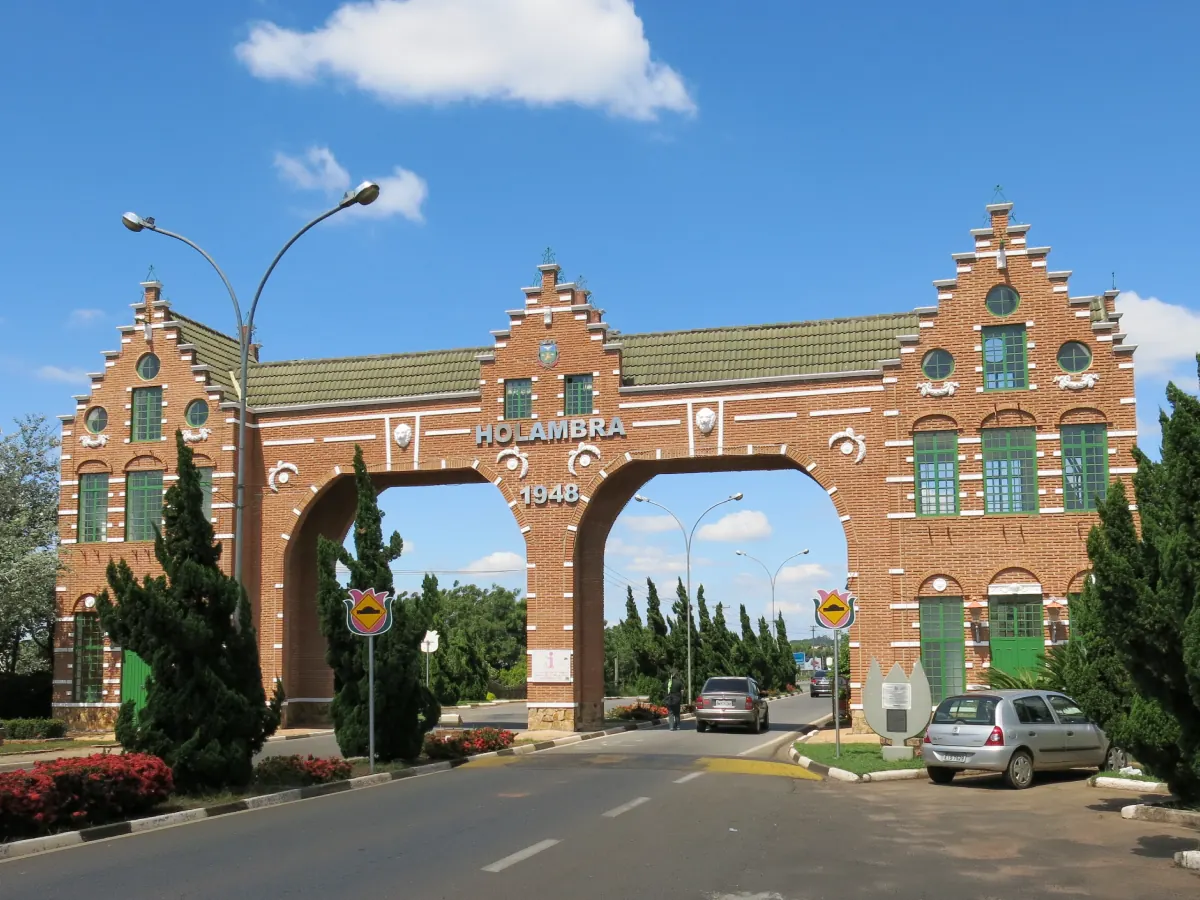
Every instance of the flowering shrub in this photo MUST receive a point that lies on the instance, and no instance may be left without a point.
(457, 744)
(79, 792)
(638, 712)
(300, 771)
(33, 729)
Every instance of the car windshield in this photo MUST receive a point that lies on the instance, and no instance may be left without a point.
(725, 686)
(978, 710)
(820, 675)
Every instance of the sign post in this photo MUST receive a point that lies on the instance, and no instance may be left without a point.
(429, 644)
(836, 612)
(369, 613)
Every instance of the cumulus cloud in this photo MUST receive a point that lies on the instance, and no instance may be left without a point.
(592, 53)
(401, 193)
(81, 317)
(649, 524)
(1167, 336)
(500, 561)
(649, 560)
(61, 375)
(743, 525)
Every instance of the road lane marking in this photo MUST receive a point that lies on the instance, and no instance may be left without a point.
(521, 855)
(686, 778)
(771, 743)
(732, 766)
(626, 807)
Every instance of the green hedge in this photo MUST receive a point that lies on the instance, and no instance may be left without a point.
(33, 729)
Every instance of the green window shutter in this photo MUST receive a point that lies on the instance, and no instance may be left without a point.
(1016, 634)
(1010, 470)
(89, 659)
(943, 646)
(93, 508)
(518, 398)
(206, 485)
(1085, 466)
(1004, 366)
(578, 395)
(143, 505)
(147, 414)
(135, 673)
(935, 459)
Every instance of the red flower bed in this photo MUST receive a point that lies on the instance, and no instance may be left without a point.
(638, 712)
(300, 771)
(76, 793)
(457, 744)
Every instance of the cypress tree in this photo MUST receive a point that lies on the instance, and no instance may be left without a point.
(457, 671)
(721, 655)
(405, 710)
(786, 662)
(767, 670)
(655, 644)
(633, 619)
(206, 712)
(746, 649)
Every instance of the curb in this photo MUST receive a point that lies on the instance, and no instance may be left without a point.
(31, 846)
(1149, 813)
(1188, 859)
(300, 737)
(1129, 784)
(849, 777)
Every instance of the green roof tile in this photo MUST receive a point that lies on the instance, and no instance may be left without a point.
(212, 349)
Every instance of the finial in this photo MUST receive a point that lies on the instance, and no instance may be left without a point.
(1114, 281)
(548, 256)
(150, 275)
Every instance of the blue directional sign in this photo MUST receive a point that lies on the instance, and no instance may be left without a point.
(799, 658)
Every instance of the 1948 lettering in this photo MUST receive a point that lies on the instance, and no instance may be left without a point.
(540, 494)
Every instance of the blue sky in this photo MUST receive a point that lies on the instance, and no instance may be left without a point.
(680, 156)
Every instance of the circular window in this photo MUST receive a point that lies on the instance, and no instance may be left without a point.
(937, 364)
(1074, 356)
(196, 413)
(147, 367)
(96, 419)
(1002, 300)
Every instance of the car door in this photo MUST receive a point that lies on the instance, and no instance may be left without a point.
(1038, 730)
(759, 703)
(1085, 742)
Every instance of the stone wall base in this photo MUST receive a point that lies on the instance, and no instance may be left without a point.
(85, 720)
(544, 718)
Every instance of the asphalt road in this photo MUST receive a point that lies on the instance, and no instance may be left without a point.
(662, 818)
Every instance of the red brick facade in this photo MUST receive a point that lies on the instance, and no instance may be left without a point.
(851, 431)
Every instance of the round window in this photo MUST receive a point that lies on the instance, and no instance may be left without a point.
(1074, 356)
(147, 367)
(196, 413)
(1002, 300)
(937, 364)
(96, 419)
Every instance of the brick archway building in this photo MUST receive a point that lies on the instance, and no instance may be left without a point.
(962, 445)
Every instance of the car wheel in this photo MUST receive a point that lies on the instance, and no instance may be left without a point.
(701, 727)
(1115, 759)
(765, 724)
(939, 774)
(1019, 774)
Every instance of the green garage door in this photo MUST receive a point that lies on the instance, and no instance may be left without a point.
(135, 672)
(1017, 639)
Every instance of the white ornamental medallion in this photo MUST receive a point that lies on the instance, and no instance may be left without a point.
(281, 473)
(512, 459)
(849, 441)
(403, 434)
(705, 420)
(582, 456)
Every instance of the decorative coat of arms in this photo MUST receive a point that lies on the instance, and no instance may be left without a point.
(548, 353)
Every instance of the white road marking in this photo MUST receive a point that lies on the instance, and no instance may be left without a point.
(626, 807)
(686, 778)
(770, 743)
(501, 864)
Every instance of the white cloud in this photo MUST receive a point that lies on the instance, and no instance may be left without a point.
(500, 561)
(80, 317)
(61, 375)
(401, 193)
(317, 169)
(649, 560)
(805, 573)
(1167, 336)
(592, 53)
(649, 524)
(743, 525)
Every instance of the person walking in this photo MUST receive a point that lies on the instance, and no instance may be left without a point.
(674, 699)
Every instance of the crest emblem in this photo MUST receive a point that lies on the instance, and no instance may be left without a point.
(369, 612)
(548, 353)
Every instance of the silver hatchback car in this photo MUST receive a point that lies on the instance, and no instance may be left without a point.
(1014, 732)
(734, 701)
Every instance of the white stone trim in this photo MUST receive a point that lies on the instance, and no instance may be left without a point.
(1014, 590)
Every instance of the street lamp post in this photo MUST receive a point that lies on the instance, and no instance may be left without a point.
(363, 195)
(687, 547)
(803, 552)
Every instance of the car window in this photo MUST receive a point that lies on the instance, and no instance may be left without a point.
(726, 685)
(1068, 712)
(1032, 711)
(980, 710)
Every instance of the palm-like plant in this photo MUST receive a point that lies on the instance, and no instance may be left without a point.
(1048, 675)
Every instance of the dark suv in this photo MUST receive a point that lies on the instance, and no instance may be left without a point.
(821, 684)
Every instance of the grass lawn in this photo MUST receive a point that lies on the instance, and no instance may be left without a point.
(856, 758)
(11, 748)
(1149, 778)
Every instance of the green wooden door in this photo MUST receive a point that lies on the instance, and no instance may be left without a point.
(942, 646)
(135, 672)
(1017, 634)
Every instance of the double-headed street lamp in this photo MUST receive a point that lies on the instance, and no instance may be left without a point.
(687, 546)
(363, 195)
(803, 552)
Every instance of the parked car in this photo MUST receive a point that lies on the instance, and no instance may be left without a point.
(821, 684)
(1014, 732)
(730, 700)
